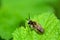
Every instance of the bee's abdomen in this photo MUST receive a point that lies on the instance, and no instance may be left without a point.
(41, 30)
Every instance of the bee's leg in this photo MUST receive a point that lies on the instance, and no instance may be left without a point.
(31, 28)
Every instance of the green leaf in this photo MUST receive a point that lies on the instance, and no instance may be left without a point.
(13, 11)
(48, 21)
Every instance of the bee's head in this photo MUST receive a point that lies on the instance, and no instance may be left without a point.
(30, 22)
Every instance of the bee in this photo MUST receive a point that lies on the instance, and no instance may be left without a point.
(36, 26)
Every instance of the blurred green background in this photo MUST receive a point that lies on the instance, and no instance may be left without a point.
(14, 12)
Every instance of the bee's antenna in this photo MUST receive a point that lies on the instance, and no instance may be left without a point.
(28, 17)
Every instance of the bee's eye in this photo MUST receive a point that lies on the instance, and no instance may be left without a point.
(28, 22)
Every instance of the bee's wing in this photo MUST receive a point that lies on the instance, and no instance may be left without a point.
(39, 28)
